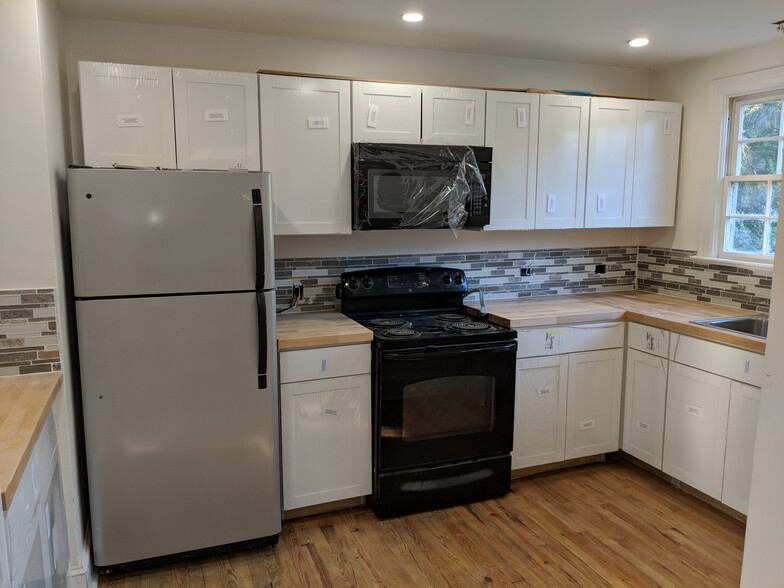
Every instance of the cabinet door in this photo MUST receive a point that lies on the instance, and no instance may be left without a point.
(593, 407)
(305, 145)
(386, 113)
(540, 411)
(656, 164)
(127, 115)
(563, 148)
(611, 133)
(644, 399)
(216, 119)
(453, 116)
(741, 434)
(513, 133)
(695, 429)
(325, 426)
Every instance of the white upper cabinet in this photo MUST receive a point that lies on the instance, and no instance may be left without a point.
(453, 116)
(656, 164)
(608, 197)
(563, 145)
(127, 115)
(306, 145)
(386, 113)
(216, 119)
(512, 130)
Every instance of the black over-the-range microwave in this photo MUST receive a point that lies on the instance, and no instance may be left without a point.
(397, 186)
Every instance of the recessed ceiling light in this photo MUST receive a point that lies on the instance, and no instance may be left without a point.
(413, 17)
(639, 42)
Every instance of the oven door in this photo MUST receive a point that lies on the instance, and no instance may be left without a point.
(444, 403)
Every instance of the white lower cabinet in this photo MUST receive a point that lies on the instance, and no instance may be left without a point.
(696, 428)
(644, 401)
(741, 433)
(325, 426)
(567, 405)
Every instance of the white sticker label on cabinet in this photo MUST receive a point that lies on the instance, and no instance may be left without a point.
(130, 120)
(551, 203)
(643, 426)
(587, 425)
(544, 392)
(601, 202)
(469, 115)
(331, 411)
(323, 364)
(318, 122)
(694, 410)
(522, 117)
(216, 115)
(667, 125)
(552, 339)
(372, 119)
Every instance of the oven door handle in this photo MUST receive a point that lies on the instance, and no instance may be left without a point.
(427, 352)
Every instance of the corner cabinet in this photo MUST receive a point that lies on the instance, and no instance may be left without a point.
(512, 130)
(325, 424)
(306, 146)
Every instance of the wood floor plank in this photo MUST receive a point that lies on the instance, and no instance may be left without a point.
(608, 524)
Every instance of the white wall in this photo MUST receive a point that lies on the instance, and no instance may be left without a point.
(27, 255)
(187, 47)
(689, 83)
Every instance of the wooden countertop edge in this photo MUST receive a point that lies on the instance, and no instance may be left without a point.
(294, 344)
(39, 384)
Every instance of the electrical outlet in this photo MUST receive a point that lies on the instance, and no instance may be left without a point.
(525, 271)
(601, 268)
(298, 291)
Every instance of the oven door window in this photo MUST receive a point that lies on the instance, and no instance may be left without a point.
(447, 407)
(445, 404)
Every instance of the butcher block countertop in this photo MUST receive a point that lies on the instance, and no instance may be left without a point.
(319, 329)
(25, 402)
(656, 310)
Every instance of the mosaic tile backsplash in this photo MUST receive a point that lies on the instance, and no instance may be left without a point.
(673, 272)
(29, 342)
(554, 271)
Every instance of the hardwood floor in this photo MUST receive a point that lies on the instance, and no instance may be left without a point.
(599, 525)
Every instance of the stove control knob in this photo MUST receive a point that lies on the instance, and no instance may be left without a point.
(458, 279)
(447, 279)
(353, 284)
(367, 282)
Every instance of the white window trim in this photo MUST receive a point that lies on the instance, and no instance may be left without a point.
(722, 91)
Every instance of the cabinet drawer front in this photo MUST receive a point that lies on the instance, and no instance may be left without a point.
(730, 362)
(649, 339)
(324, 362)
(569, 339)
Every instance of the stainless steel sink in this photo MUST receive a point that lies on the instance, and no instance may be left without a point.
(754, 325)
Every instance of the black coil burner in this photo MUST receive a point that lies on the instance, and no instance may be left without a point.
(400, 333)
(387, 322)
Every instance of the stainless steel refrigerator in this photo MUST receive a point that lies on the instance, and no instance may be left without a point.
(173, 277)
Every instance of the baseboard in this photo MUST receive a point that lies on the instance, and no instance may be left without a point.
(306, 511)
(559, 465)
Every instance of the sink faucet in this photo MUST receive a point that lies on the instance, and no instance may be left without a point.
(482, 307)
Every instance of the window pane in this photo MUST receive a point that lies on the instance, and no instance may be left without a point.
(758, 158)
(774, 225)
(761, 119)
(744, 235)
(747, 198)
(774, 198)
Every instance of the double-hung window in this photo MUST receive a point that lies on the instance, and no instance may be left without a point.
(752, 186)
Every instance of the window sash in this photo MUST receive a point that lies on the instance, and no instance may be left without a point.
(766, 218)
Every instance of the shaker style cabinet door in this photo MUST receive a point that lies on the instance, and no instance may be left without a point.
(512, 130)
(386, 113)
(127, 115)
(216, 119)
(645, 395)
(306, 145)
(741, 434)
(561, 168)
(453, 116)
(540, 411)
(656, 163)
(611, 135)
(695, 429)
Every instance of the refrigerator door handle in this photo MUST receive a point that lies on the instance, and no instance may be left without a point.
(258, 226)
(261, 312)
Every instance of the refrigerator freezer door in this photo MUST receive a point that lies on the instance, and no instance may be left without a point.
(182, 445)
(140, 232)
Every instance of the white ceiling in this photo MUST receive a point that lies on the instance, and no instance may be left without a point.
(584, 31)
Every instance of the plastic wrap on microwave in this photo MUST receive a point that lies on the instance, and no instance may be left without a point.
(413, 186)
